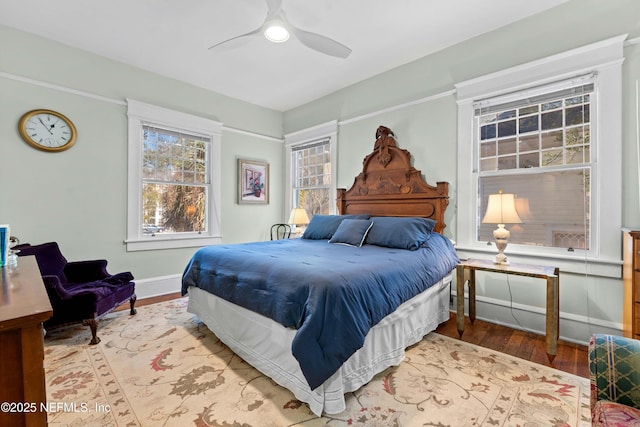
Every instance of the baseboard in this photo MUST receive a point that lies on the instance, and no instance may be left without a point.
(157, 286)
(573, 328)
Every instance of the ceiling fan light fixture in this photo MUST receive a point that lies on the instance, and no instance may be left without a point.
(275, 31)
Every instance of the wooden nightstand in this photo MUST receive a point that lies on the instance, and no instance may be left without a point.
(631, 283)
(466, 271)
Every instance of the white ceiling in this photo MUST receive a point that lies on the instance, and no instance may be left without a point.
(172, 37)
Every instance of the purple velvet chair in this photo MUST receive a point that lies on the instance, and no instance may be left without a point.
(80, 291)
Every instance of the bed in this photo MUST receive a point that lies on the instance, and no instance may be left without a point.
(321, 315)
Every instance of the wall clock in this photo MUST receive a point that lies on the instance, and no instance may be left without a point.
(47, 130)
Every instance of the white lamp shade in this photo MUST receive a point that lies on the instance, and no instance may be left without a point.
(298, 216)
(501, 209)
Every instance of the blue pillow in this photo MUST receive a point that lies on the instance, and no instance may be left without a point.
(352, 232)
(400, 232)
(322, 227)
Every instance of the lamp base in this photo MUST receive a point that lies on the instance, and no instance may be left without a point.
(501, 237)
(501, 259)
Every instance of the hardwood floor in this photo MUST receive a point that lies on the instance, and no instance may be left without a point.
(571, 358)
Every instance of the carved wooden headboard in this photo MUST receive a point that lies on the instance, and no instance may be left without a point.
(389, 186)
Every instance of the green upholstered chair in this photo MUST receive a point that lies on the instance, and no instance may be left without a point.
(614, 365)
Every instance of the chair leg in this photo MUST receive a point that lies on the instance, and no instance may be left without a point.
(93, 325)
(132, 302)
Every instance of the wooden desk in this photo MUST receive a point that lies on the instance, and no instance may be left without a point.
(466, 271)
(24, 305)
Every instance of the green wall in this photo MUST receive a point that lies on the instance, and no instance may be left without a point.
(78, 197)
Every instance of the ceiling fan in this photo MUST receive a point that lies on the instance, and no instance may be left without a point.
(276, 28)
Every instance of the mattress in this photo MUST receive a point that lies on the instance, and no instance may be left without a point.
(330, 294)
(266, 344)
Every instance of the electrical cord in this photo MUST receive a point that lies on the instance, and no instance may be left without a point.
(511, 308)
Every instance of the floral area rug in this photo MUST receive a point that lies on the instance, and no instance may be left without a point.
(163, 367)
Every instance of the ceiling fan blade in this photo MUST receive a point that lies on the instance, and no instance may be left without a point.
(321, 43)
(274, 10)
(274, 7)
(249, 34)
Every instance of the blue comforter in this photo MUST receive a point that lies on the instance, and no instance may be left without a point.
(331, 293)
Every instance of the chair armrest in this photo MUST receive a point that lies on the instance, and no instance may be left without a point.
(614, 367)
(60, 297)
(54, 288)
(86, 271)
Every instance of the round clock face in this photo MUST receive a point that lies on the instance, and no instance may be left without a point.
(47, 130)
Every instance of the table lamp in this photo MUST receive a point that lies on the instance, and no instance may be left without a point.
(298, 217)
(501, 210)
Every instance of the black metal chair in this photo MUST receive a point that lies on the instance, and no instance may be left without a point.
(280, 231)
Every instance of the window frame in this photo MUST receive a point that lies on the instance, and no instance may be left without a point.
(298, 150)
(327, 130)
(140, 114)
(527, 99)
(604, 59)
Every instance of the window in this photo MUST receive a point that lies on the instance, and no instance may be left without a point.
(174, 179)
(549, 132)
(539, 149)
(311, 167)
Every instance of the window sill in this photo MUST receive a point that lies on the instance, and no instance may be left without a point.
(158, 243)
(568, 264)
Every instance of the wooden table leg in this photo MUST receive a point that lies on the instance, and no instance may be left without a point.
(557, 273)
(472, 295)
(553, 316)
(460, 299)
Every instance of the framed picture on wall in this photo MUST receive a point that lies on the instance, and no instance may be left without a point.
(253, 181)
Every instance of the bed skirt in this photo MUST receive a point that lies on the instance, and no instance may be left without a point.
(266, 345)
